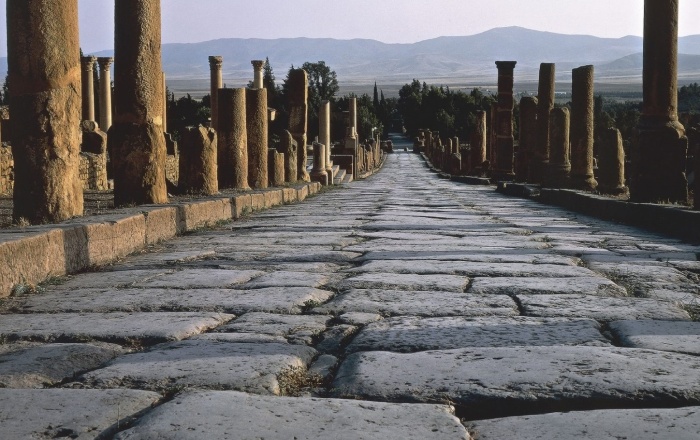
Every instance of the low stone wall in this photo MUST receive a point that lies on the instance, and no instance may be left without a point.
(7, 170)
(93, 171)
(172, 168)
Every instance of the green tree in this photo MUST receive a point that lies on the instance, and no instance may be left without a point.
(5, 94)
(323, 86)
(689, 98)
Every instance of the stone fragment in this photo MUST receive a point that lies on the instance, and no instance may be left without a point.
(75, 414)
(611, 163)
(257, 368)
(198, 166)
(546, 286)
(676, 336)
(242, 416)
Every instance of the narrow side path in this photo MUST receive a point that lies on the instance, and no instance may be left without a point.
(403, 306)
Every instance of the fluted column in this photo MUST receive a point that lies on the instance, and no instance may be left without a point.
(258, 73)
(105, 92)
(87, 65)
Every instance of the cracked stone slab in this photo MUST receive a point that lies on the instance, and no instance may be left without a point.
(168, 258)
(65, 413)
(467, 246)
(291, 326)
(243, 338)
(108, 327)
(287, 300)
(676, 336)
(256, 368)
(546, 286)
(409, 334)
(107, 279)
(492, 381)
(201, 278)
(418, 303)
(601, 308)
(480, 256)
(472, 269)
(677, 424)
(33, 365)
(445, 283)
(233, 415)
(291, 256)
(359, 318)
(287, 279)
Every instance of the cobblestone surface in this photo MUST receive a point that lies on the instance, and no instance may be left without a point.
(404, 306)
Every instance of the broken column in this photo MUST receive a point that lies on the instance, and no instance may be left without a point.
(289, 149)
(318, 172)
(491, 148)
(87, 65)
(659, 162)
(559, 154)
(582, 123)
(136, 142)
(258, 73)
(611, 163)
(478, 141)
(324, 135)
(528, 137)
(539, 156)
(276, 173)
(44, 70)
(257, 123)
(232, 151)
(298, 86)
(105, 92)
(217, 82)
(198, 168)
(503, 169)
(165, 104)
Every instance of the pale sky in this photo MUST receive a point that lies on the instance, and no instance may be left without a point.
(389, 21)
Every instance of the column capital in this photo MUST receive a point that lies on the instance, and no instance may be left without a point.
(506, 64)
(216, 61)
(258, 64)
(88, 62)
(105, 62)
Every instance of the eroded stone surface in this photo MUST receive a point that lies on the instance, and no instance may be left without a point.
(446, 283)
(546, 286)
(291, 326)
(200, 278)
(287, 279)
(678, 336)
(473, 269)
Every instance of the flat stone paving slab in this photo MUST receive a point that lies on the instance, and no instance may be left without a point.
(445, 283)
(256, 368)
(418, 303)
(482, 256)
(410, 334)
(34, 365)
(601, 308)
(287, 279)
(107, 279)
(279, 300)
(496, 382)
(676, 424)
(64, 413)
(677, 336)
(108, 327)
(201, 278)
(278, 325)
(546, 286)
(472, 269)
(239, 416)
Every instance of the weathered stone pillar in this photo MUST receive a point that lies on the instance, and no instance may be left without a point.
(289, 148)
(611, 163)
(136, 142)
(44, 70)
(582, 123)
(198, 167)
(258, 73)
(105, 92)
(257, 123)
(504, 122)
(87, 65)
(276, 173)
(559, 153)
(217, 82)
(232, 151)
(324, 135)
(318, 172)
(298, 85)
(659, 162)
(165, 105)
(491, 148)
(539, 156)
(528, 137)
(478, 140)
(353, 116)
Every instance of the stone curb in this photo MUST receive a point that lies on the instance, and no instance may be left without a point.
(676, 221)
(469, 180)
(31, 255)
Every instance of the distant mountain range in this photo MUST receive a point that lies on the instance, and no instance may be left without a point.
(469, 57)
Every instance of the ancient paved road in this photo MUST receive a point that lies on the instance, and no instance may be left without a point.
(403, 306)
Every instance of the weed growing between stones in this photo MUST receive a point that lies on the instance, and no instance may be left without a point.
(293, 380)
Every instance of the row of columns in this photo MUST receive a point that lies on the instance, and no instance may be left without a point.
(105, 89)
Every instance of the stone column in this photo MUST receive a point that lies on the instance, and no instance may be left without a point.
(528, 137)
(217, 82)
(582, 123)
(478, 141)
(257, 123)
(298, 85)
(353, 116)
(165, 105)
(136, 141)
(503, 169)
(318, 172)
(289, 148)
(276, 173)
(105, 92)
(491, 147)
(232, 151)
(559, 153)
(659, 162)
(611, 163)
(324, 135)
(44, 70)
(539, 156)
(198, 167)
(258, 73)
(87, 65)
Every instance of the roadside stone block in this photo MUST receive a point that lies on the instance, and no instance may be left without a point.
(257, 201)
(161, 224)
(273, 198)
(64, 413)
(256, 368)
(676, 336)
(233, 414)
(289, 195)
(302, 193)
(204, 213)
(241, 205)
(114, 237)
